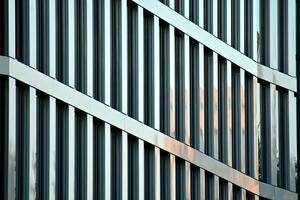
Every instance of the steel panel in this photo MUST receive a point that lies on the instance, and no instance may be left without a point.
(141, 63)
(71, 42)
(52, 38)
(32, 143)
(218, 46)
(52, 148)
(115, 118)
(71, 180)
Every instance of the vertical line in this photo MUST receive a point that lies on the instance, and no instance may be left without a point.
(215, 106)
(229, 112)
(141, 170)
(117, 164)
(255, 25)
(273, 134)
(61, 71)
(98, 51)
(242, 119)
(195, 95)
(71, 152)
(273, 45)
(124, 89)
(32, 142)
(179, 86)
(236, 118)
(71, 42)
(172, 80)
(22, 31)
(194, 11)
(187, 181)
(80, 46)
(90, 41)
(157, 173)
(90, 156)
(124, 165)
(140, 64)
(156, 84)
(80, 155)
(292, 140)
(291, 38)
(202, 184)
(257, 120)
(107, 160)
(214, 16)
(201, 10)
(11, 29)
(107, 51)
(23, 150)
(116, 54)
(242, 25)
(202, 105)
(52, 37)
(164, 78)
(12, 115)
(52, 148)
(172, 177)
(33, 19)
(187, 91)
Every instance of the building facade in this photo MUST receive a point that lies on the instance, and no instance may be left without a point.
(148, 99)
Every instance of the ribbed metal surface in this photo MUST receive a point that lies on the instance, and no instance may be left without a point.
(148, 99)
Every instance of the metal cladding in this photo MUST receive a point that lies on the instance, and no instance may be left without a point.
(148, 99)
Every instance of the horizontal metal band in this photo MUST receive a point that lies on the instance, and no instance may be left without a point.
(193, 30)
(52, 87)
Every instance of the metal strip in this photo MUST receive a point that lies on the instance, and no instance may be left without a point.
(89, 41)
(243, 194)
(71, 164)
(11, 182)
(201, 93)
(32, 143)
(52, 38)
(274, 133)
(256, 105)
(11, 29)
(97, 109)
(291, 37)
(107, 161)
(242, 26)
(124, 165)
(216, 187)
(229, 114)
(107, 52)
(124, 55)
(52, 147)
(242, 120)
(157, 172)
(172, 176)
(292, 139)
(90, 157)
(273, 34)
(218, 46)
(187, 88)
(215, 107)
(71, 37)
(156, 74)
(141, 63)
(202, 184)
(141, 169)
(32, 33)
(229, 186)
(172, 81)
(187, 181)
